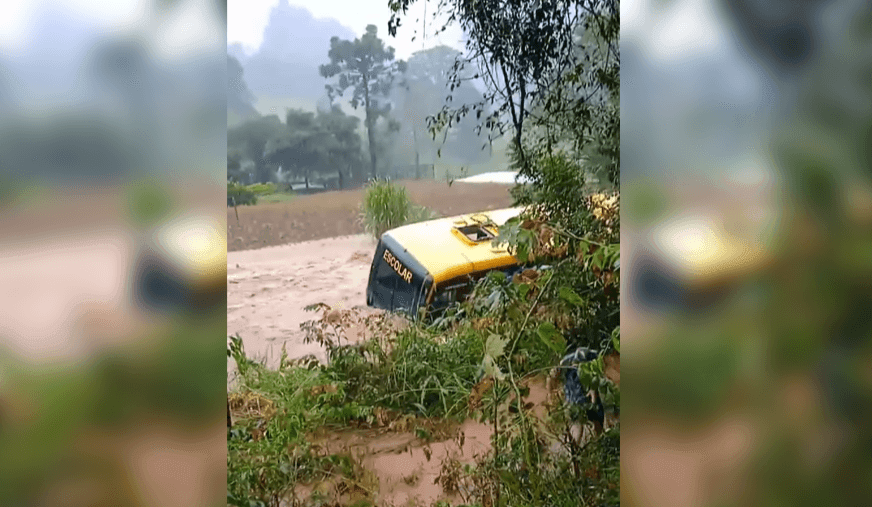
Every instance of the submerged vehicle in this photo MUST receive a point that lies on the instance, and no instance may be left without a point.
(422, 268)
(692, 263)
(182, 266)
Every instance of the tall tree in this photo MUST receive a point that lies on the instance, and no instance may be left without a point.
(367, 67)
(423, 92)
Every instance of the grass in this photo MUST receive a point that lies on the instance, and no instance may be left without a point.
(277, 197)
(466, 365)
(386, 206)
(474, 361)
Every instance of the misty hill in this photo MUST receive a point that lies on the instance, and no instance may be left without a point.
(294, 45)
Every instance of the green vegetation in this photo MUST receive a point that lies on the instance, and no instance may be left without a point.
(257, 193)
(240, 195)
(479, 359)
(472, 363)
(279, 139)
(277, 197)
(386, 206)
(368, 68)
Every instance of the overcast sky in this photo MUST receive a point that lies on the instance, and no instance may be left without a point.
(246, 20)
(184, 30)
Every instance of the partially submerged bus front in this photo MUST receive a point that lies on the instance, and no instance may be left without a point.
(431, 264)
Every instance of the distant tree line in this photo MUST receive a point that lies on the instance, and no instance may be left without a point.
(328, 147)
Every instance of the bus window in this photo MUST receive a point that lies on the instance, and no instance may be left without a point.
(403, 296)
(384, 282)
(452, 293)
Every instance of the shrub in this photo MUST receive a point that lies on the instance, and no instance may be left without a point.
(386, 206)
(240, 194)
(260, 189)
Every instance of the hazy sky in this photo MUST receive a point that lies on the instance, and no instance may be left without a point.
(246, 20)
(675, 31)
(183, 30)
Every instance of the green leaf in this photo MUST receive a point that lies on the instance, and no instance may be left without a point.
(523, 252)
(551, 337)
(598, 258)
(495, 346)
(571, 297)
(491, 369)
(495, 276)
(523, 289)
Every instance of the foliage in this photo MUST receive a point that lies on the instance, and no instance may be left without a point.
(345, 153)
(368, 68)
(473, 363)
(477, 358)
(423, 91)
(240, 195)
(386, 206)
(580, 112)
(249, 140)
(261, 189)
(529, 59)
(316, 144)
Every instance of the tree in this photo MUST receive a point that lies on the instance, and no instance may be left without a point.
(251, 139)
(299, 149)
(234, 165)
(240, 100)
(526, 52)
(367, 67)
(422, 92)
(345, 154)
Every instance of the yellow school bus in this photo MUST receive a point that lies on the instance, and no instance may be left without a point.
(692, 264)
(182, 266)
(431, 264)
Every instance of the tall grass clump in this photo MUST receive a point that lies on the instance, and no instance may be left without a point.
(386, 206)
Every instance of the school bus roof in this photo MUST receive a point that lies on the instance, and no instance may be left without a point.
(445, 254)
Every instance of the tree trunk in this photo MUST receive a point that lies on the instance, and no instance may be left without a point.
(369, 125)
(307, 180)
(371, 136)
(417, 156)
(340, 179)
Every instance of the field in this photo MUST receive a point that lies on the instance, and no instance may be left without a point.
(334, 214)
